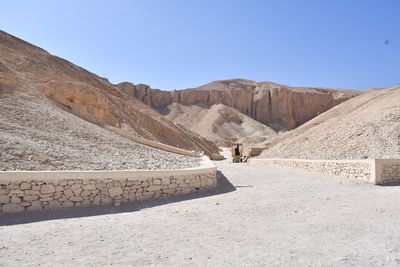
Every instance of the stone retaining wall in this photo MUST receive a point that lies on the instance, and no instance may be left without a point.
(388, 171)
(158, 145)
(376, 171)
(26, 191)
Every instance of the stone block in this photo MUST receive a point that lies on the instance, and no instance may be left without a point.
(122, 181)
(12, 207)
(115, 191)
(85, 193)
(59, 188)
(106, 200)
(12, 186)
(16, 192)
(31, 192)
(15, 199)
(68, 204)
(89, 187)
(36, 205)
(165, 181)
(77, 191)
(46, 199)
(68, 193)
(172, 186)
(153, 188)
(75, 187)
(101, 185)
(75, 199)
(36, 187)
(96, 200)
(25, 186)
(58, 195)
(47, 189)
(54, 204)
(4, 199)
(31, 197)
(25, 204)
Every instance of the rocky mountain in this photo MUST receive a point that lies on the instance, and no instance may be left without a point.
(36, 82)
(366, 126)
(275, 105)
(220, 124)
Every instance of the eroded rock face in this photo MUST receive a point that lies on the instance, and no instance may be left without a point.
(278, 106)
(29, 75)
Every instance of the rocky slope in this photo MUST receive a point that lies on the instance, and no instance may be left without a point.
(220, 124)
(367, 126)
(28, 75)
(35, 134)
(275, 105)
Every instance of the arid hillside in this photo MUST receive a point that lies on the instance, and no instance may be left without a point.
(367, 126)
(220, 124)
(33, 82)
(277, 106)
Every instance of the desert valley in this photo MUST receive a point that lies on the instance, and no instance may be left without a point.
(130, 175)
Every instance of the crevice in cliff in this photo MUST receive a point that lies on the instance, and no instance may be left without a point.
(269, 105)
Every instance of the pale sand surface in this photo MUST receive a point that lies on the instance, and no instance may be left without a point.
(274, 217)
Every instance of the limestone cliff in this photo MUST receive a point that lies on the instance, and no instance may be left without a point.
(278, 106)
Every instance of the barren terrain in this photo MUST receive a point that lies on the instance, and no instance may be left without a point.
(239, 110)
(37, 135)
(220, 124)
(51, 111)
(275, 105)
(274, 217)
(366, 126)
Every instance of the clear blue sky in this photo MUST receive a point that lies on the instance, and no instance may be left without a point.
(172, 44)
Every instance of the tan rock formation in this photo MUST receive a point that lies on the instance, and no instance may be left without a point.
(275, 105)
(31, 78)
(367, 126)
(220, 124)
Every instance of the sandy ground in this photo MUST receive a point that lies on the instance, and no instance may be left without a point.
(272, 217)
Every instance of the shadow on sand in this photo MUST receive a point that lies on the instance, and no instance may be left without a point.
(224, 186)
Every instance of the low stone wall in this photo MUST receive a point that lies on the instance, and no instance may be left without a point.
(387, 171)
(158, 145)
(376, 171)
(39, 190)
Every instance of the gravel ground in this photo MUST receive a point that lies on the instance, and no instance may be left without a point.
(37, 135)
(274, 217)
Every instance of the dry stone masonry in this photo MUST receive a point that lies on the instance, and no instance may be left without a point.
(388, 170)
(73, 189)
(376, 171)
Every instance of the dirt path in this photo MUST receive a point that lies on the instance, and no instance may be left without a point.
(273, 217)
